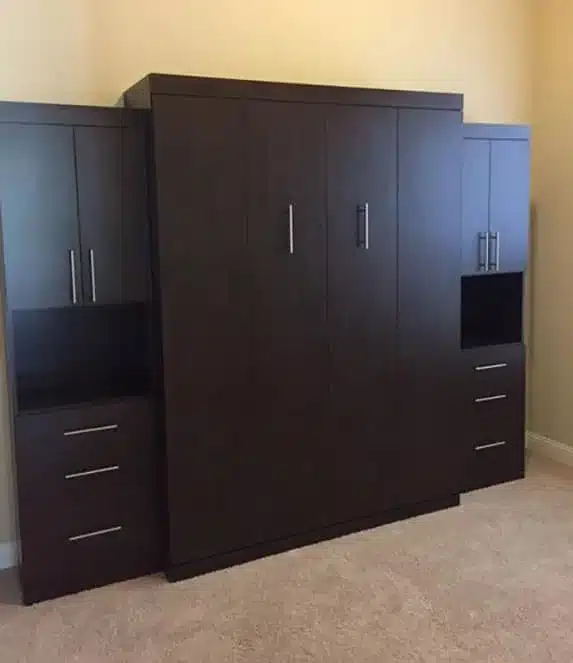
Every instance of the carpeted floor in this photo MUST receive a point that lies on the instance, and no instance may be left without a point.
(491, 581)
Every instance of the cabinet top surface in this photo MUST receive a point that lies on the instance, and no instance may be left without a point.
(172, 84)
(483, 131)
(17, 112)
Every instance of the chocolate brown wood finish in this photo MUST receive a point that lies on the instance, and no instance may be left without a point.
(202, 232)
(362, 310)
(429, 205)
(289, 344)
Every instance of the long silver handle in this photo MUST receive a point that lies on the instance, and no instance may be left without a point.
(493, 262)
(483, 265)
(291, 228)
(92, 274)
(490, 367)
(366, 226)
(95, 429)
(91, 473)
(73, 276)
(481, 447)
(99, 532)
(486, 399)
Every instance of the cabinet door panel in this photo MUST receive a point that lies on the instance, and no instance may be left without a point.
(475, 204)
(111, 195)
(287, 251)
(429, 204)
(362, 311)
(201, 231)
(39, 215)
(509, 207)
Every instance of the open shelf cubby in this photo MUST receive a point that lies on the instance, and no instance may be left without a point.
(492, 309)
(68, 356)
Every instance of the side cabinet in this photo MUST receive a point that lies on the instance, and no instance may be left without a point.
(495, 198)
(429, 190)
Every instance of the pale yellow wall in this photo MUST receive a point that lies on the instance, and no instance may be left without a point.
(88, 51)
(551, 384)
(48, 50)
(480, 47)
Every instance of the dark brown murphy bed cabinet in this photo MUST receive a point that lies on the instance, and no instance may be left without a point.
(308, 259)
(495, 222)
(78, 329)
(295, 310)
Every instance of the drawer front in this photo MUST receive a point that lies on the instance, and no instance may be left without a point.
(495, 463)
(494, 370)
(97, 559)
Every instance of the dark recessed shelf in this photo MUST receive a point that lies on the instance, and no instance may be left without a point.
(71, 356)
(492, 309)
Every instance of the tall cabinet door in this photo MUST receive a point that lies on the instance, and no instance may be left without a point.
(287, 248)
(475, 205)
(509, 204)
(429, 210)
(362, 309)
(201, 234)
(112, 209)
(39, 216)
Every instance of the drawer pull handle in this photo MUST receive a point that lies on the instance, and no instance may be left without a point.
(90, 473)
(95, 429)
(481, 447)
(99, 532)
(487, 399)
(490, 367)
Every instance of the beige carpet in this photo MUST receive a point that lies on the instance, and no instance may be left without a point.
(491, 581)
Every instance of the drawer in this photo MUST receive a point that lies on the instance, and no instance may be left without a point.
(97, 559)
(494, 463)
(494, 370)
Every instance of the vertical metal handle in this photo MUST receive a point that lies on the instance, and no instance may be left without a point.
(291, 228)
(92, 274)
(366, 227)
(483, 265)
(497, 245)
(492, 255)
(73, 276)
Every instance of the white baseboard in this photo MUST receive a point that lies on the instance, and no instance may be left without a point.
(545, 446)
(7, 555)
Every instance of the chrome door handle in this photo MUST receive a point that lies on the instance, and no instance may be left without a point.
(366, 227)
(493, 265)
(483, 265)
(481, 447)
(95, 429)
(291, 229)
(92, 274)
(73, 276)
(490, 367)
(91, 473)
(98, 532)
(487, 399)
